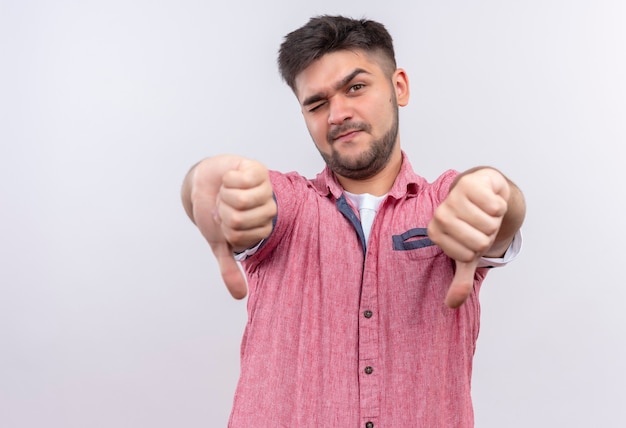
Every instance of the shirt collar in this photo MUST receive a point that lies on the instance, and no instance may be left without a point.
(407, 183)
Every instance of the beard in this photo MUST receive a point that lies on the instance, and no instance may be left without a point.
(368, 163)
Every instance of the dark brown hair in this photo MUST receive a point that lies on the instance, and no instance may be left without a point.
(325, 34)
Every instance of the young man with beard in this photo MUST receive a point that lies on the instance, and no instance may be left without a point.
(363, 282)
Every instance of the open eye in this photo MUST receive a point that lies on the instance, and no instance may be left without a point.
(356, 87)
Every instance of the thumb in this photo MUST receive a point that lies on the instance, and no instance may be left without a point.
(203, 214)
(231, 273)
(462, 283)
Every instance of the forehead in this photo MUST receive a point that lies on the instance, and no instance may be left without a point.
(324, 73)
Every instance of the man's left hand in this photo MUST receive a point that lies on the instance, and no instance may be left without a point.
(466, 224)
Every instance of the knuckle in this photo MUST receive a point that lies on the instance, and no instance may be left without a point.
(240, 200)
(495, 224)
(482, 245)
(442, 220)
(270, 212)
(236, 221)
(233, 236)
(496, 207)
(492, 228)
(467, 256)
(249, 179)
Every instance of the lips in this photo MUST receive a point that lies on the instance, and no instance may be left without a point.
(346, 131)
(347, 135)
(344, 134)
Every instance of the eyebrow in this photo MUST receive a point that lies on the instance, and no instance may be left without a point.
(343, 82)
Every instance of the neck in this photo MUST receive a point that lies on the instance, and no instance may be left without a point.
(378, 184)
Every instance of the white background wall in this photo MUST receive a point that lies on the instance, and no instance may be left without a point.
(112, 313)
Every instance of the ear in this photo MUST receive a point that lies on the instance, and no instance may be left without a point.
(401, 85)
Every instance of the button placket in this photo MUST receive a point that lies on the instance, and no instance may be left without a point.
(369, 383)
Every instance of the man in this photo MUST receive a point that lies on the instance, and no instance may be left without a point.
(363, 282)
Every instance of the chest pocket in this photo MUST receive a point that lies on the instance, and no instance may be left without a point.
(412, 239)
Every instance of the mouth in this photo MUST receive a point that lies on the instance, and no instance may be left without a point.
(346, 135)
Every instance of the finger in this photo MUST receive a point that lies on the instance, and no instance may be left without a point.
(451, 245)
(229, 269)
(246, 175)
(245, 199)
(478, 207)
(490, 191)
(485, 219)
(462, 284)
(238, 221)
(499, 184)
(208, 220)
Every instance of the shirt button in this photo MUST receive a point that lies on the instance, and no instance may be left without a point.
(368, 314)
(368, 370)
(369, 425)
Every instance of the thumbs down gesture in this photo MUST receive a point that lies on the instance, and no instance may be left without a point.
(480, 217)
(230, 200)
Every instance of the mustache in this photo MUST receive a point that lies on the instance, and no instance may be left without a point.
(346, 127)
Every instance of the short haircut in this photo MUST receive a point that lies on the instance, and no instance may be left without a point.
(326, 34)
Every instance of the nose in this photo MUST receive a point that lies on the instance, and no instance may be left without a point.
(339, 110)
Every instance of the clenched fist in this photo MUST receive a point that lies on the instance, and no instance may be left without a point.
(230, 200)
(469, 224)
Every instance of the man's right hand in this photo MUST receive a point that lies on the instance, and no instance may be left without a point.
(230, 200)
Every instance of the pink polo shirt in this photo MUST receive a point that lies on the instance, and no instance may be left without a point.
(340, 335)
